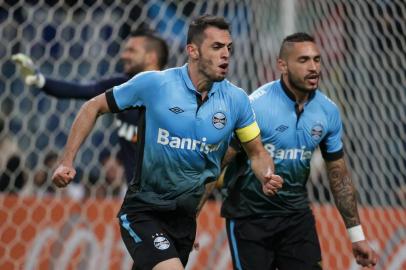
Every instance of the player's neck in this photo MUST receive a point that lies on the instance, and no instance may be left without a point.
(201, 83)
(299, 95)
(151, 68)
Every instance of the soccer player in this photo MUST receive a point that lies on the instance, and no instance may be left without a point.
(190, 114)
(143, 51)
(295, 118)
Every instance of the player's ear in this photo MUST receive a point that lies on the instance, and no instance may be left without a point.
(151, 58)
(192, 51)
(282, 66)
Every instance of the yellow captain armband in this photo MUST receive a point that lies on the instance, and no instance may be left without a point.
(248, 133)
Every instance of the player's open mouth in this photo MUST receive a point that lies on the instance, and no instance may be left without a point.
(223, 66)
(313, 79)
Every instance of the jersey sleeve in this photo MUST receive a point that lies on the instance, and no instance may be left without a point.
(66, 89)
(133, 93)
(260, 101)
(246, 127)
(332, 146)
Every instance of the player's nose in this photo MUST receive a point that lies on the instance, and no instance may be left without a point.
(225, 53)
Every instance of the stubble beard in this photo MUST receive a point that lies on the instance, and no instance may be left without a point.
(298, 84)
(205, 65)
(135, 68)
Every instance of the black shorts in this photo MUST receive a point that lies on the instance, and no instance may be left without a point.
(282, 243)
(153, 237)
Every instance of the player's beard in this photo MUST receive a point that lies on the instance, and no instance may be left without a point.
(299, 83)
(205, 66)
(134, 65)
(135, 69)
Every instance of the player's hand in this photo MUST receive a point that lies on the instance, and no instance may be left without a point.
(364, 254)
(63, 175)
(272, 184)
(29, 73)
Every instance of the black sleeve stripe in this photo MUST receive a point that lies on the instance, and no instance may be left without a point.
(111, 101)
(332, 156)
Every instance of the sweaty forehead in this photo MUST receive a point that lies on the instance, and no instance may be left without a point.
(214, 34)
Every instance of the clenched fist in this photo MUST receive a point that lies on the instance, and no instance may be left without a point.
(63, 175)
(364, 254)
(272, 184)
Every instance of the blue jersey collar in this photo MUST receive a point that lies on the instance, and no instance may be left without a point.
(185, 75)
(291, 96)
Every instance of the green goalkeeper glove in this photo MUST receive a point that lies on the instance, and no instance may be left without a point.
(29, 72)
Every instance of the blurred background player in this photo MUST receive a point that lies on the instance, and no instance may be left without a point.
(143, 51)
(295, 118)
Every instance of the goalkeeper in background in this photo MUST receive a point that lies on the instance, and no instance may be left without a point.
(278, 232)
(143, 51)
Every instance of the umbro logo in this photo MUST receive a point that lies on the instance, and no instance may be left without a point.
(281, 128)
(176, 110)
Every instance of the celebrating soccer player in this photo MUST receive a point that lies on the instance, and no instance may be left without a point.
(295, 118)
(189, 114)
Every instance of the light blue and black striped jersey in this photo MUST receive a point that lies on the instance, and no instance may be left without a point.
(290, 137)
(184, 138)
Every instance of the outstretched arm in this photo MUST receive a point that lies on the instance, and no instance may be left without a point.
(61, 88)
(65, 89)
(345, 198)
(81, 128)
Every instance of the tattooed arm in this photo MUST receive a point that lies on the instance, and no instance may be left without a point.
(345, 198)
(343, 191)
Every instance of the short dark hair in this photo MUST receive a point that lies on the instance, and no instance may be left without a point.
(198, 25)
(294, 38)
(154, 42)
